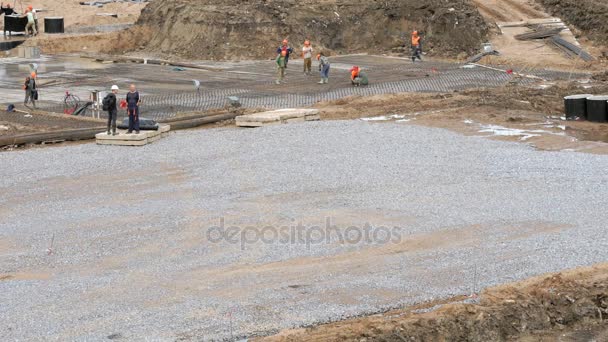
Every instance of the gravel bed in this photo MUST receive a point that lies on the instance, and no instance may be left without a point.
(101, 242)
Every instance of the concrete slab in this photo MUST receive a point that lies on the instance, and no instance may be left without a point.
(280, 116)
(125, 139)
(164, 130)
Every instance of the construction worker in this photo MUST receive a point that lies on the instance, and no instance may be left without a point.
(31, 9)
(358, 77)
(416, 46)
(281, 65)
(288, 50)
(133, 101)
(31, 22)
(110, 104)
(307, 55)
(323, 67)
(31, 90)
(6, 10)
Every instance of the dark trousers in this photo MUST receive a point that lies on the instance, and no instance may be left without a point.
(29, 96)
(112, 114)
(416, 53)
(133, 119)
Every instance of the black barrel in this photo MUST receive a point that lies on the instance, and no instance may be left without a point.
(597, 108)
(576, 106)
(53, 25)
(11, 44)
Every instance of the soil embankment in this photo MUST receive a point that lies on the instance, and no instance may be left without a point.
(589, 16)
(568, 306)
(214, 29)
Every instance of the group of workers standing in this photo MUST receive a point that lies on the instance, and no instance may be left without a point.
(358, 77)
(31, 28)
(132, 101)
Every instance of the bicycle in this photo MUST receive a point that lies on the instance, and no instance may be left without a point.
(71, 103)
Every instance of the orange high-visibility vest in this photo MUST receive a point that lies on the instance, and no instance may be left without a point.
(415, 40)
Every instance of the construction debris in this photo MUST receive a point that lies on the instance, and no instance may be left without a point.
(540, 33)
(479, 56)
(100, 3)
(280, 116)
(553, 33)
(532, 22)
(560, 42)
(113, 15)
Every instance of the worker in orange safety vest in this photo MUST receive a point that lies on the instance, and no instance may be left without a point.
(416, 46)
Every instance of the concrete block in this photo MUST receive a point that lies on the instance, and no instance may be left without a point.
(280, 116)
(123, 142)
(300, 119)
(124, 139)
(154, 138)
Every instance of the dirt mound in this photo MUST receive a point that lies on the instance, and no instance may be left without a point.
(230, 29)
(589, 16)
(571, 306)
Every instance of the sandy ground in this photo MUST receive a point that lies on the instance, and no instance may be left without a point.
(530, 54)
(75, 14)
(509, 10)
(85, 30)
(566, 306)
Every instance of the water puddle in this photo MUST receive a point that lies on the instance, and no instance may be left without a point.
(587, 135)
(523, 134)
(399, 118)
(548, 128)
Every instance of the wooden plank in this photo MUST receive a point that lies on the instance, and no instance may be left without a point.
(529, 22)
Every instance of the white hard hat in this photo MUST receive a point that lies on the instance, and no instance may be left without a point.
(115, 87)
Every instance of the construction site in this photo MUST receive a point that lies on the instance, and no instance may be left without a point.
(437, 175)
